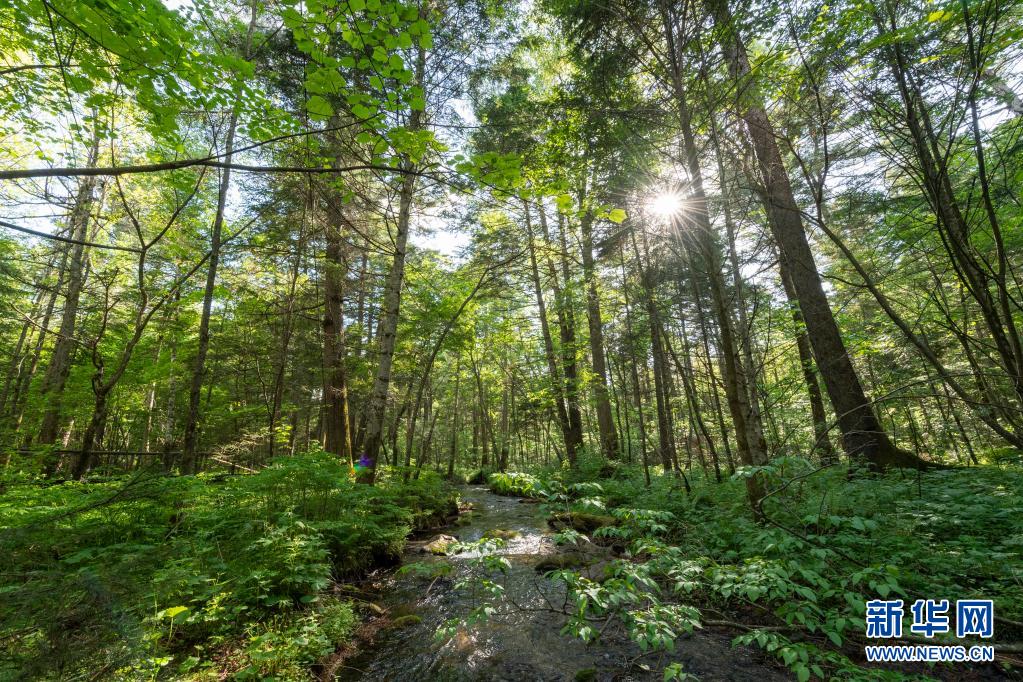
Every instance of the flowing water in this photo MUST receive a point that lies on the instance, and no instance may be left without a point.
(522, 641)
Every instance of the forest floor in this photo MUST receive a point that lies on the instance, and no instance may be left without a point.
(293, 573)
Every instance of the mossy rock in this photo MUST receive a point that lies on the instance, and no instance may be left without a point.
(501, 534)
(586, 675)
(440, 544)
(405, 621)
(580, 521)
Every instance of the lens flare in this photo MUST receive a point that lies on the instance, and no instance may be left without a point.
(665, 204)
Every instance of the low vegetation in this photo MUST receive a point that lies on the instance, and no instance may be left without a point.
(196, 577)
(796, 584)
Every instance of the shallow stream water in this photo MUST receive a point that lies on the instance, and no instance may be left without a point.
(523, 641)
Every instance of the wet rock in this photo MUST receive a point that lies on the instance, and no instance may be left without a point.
(597, 571)
(580, 521)
(439, 545)
(563, 560)
(501, 534)
(529, 500)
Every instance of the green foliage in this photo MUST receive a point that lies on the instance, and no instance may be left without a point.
(834, 544)
(517, 483)
(285, 648)
(174, 569)
(481, 580)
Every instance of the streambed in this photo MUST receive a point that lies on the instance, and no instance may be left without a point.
(520, 642)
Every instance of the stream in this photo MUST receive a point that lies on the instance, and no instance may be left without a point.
(521, 642)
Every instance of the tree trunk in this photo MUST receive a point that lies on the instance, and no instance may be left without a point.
(666, 439)
(745, 418)
(822, 442)
(863, 438)
(634, 372)
(191, 438)
(388, 324)
(565, 309)
(454, 421)
(52, 390)
(335, 379)
(601, 398)
(557, 385)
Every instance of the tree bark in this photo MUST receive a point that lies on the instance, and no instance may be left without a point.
(52, 390)
(557, 384)
(601, 397)
(337, 433)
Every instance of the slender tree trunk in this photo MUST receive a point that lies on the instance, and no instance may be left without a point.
(191, 438)
(634, 372)
(335, 380)
(953, 227)
(18, 355)
(388, 325)
(17, 408)
(151, 400)
(605, 419)
(557, 384)
(52, 390)
(822, 442)
(745, 418)
(686, 372)
(565, 310)
(286, 333)
(454, 421)
(666, 439)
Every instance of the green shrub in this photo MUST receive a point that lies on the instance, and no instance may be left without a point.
(516, 483)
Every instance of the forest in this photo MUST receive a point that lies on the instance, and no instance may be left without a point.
(424, 340)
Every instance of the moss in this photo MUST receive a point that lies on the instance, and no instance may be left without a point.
(586, 675)
(440, 544)
(406, 621)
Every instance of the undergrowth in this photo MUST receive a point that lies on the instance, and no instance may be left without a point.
(794, 586)
(192, 577)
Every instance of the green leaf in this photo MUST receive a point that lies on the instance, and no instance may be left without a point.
(617, 216)
(174, 611)
(319, 107)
